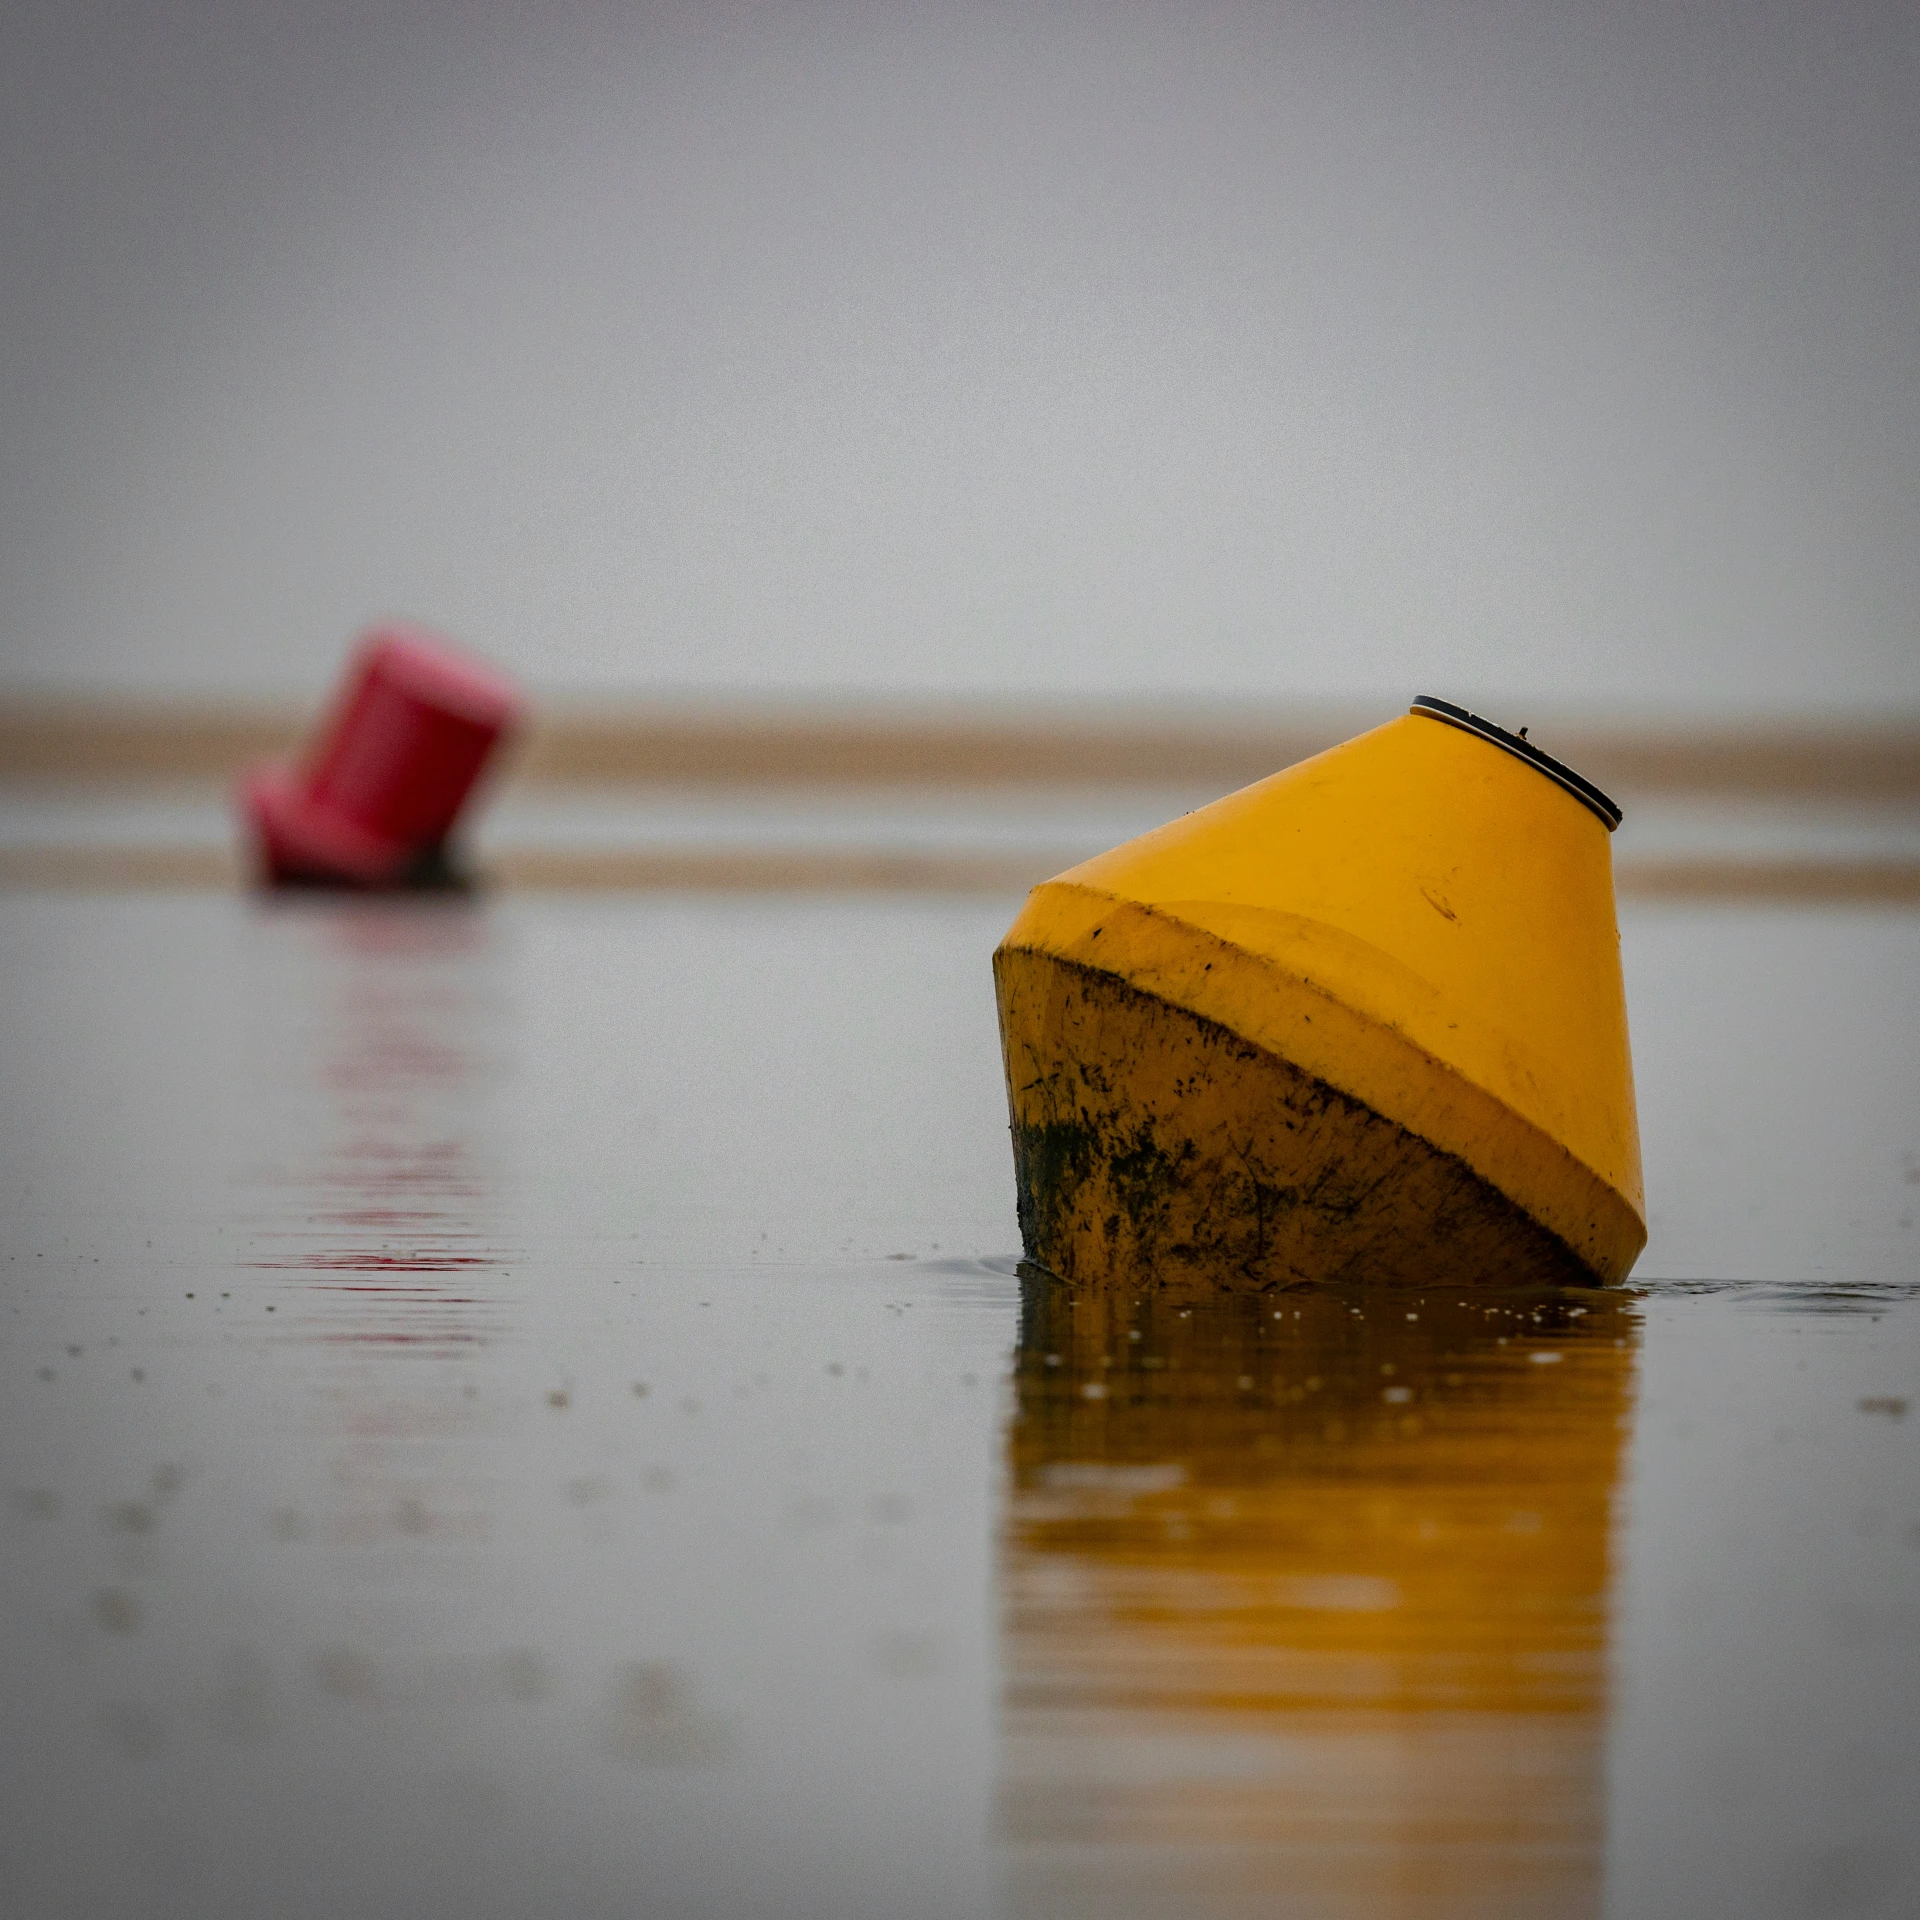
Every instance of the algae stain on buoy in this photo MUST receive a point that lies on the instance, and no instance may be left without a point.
(1361, 1021)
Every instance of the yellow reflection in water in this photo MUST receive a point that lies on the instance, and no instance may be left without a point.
(1306, 1602)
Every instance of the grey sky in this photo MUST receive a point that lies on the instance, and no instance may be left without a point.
(1568, 354)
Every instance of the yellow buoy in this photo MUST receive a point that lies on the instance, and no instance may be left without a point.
(1363, 1020)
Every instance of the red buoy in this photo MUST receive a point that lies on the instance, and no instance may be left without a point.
(380, 788)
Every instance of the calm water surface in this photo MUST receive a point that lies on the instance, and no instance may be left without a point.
(530, 1407)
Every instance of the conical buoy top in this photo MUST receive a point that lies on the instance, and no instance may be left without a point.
(1362, 1019)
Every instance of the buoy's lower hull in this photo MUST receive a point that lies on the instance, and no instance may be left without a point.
(1155, 1149)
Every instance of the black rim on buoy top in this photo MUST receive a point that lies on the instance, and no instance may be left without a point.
(1521, 748)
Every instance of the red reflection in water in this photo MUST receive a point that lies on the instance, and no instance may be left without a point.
(384, 1054)
(374, 1214)
(438, 1341)
(378, 1263)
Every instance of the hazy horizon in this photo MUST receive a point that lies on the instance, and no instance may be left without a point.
(1306, 357)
